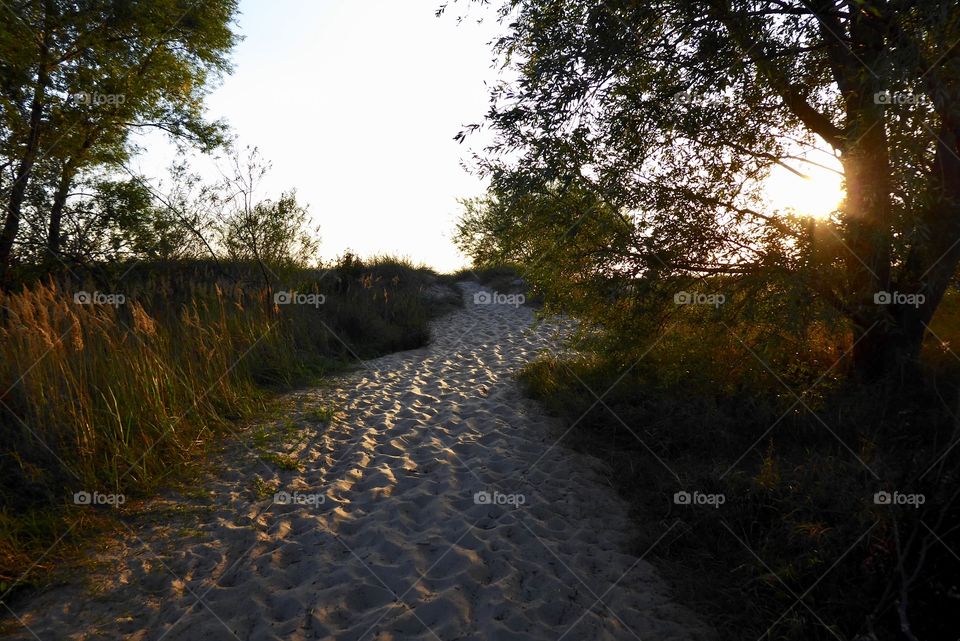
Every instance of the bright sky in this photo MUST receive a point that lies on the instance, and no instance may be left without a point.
(818, 195)
(356, 104)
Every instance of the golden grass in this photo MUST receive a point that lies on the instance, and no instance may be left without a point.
(116, 399)
(112, 394)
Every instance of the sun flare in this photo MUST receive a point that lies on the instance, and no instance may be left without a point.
(818, 195)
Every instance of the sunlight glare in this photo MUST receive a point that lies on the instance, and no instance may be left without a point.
(817, 196)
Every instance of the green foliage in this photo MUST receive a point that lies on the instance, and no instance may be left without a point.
(322, 414)
(263, 489)
(282, 461)
(272, 233)
(577, 253)
(633, 140)
(76, 80)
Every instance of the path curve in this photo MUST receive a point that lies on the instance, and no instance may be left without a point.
(402, 545)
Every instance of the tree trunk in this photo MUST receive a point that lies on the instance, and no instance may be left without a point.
(18, 190)
(889, 347)
(56, 211)
(868, 214)
(895, 342)
(867, 260)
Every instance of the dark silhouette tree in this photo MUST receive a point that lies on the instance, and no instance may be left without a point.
(673, 111)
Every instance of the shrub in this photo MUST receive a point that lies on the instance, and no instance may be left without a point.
(696, 411)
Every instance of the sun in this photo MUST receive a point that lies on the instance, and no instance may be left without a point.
(818, 195)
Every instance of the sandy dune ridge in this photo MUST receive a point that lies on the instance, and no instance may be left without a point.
(435, 505)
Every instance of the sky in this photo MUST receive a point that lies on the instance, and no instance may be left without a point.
(818, 194)
(356, 105)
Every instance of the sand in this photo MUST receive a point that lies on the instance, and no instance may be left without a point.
(385, 536)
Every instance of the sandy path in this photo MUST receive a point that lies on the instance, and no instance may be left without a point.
(399, 548)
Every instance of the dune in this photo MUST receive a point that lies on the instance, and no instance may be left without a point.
(435, 505)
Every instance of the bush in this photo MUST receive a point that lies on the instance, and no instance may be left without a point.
(697, 412)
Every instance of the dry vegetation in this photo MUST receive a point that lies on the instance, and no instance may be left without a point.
(117, 398)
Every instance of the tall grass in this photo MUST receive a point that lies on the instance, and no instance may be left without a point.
(113, 398)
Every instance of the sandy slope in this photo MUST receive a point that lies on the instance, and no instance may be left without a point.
(399, 548)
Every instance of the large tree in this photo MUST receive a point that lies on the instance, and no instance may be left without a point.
(672, 112)
(76, 77)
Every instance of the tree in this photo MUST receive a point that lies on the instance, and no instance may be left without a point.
(673, 111)
(271, 232)
(274, 234)
(77, 77)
